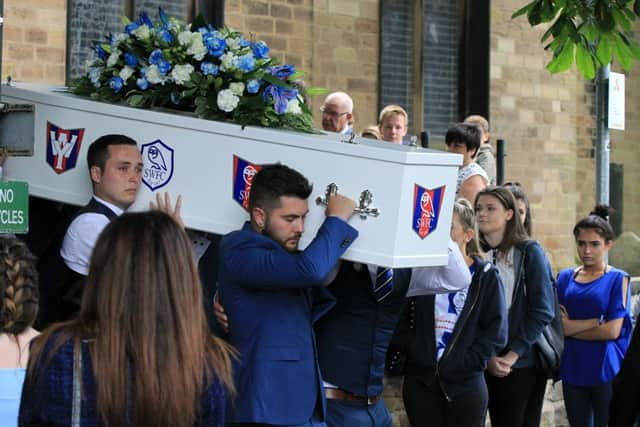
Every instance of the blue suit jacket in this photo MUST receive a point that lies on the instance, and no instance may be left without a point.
(266, 293)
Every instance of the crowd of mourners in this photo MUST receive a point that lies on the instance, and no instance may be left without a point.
(301, 337)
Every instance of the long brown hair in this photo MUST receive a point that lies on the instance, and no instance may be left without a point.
(514, 232)
(151, 350)
(467, 217)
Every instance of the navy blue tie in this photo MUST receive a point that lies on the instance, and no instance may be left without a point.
(384, 283)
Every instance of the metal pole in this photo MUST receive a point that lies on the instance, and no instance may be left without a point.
(501, 146)
(603, 139)
(417, 84)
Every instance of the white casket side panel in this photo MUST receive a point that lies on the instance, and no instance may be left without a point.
(202, 171)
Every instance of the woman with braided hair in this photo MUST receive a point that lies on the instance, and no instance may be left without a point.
(18, 311)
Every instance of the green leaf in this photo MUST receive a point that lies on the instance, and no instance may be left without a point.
(623, 54)
(523, 10)
(635, 50)
(315, 91)
(563, 61)
(276, 81)
(620, 19)
(604, 51)
(125, 20)
(534, 16)
(295, 76)
(589, 30)
(137, 100)
(604, 17)
(584, 61)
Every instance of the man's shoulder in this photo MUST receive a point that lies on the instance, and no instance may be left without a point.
(88, 222)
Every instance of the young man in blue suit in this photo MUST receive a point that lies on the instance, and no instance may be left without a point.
(273, 293)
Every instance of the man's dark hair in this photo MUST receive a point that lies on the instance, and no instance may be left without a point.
(99, 149)
(468, 134)
(275, 181)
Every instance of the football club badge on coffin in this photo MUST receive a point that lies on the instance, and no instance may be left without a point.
(243, 174)
(157, 159)
(426, 209)
(63, 146)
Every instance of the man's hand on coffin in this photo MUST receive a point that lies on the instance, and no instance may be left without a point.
(221, 315)
(163, 203)
(340, 206)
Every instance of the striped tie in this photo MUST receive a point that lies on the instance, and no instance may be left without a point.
(384, 283)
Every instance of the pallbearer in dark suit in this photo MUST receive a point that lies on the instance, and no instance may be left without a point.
(266, 286)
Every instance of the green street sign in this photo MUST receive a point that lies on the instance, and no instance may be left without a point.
(14, 207)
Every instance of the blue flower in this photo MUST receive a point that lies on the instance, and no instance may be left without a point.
(280, 96)
(253, 86)
(130, 27)
(144, 19)
(164, 66)
(116, 84)
(209, 68)
(142, 83)
(130, 59)
(176, 97)
(260, 50)
(246, 62)
(164, 19)
(166, 36)
(283, 71)
(244, 42)
(214, 43)
(155, 57)
(100, 51)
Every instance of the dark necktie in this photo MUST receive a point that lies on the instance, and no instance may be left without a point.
(384, 283)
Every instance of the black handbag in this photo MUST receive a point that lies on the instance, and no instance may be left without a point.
(550, 343)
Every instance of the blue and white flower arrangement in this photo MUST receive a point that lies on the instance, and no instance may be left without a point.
(216, 73)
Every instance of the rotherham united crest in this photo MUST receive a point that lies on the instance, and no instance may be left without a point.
(63, 146)
(426, 209)
(157, 158)
(243, 173)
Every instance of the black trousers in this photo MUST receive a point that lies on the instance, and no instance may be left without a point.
(624, 410)
(426, 405)
(516, 400)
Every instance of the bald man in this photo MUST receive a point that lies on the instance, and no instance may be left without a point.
(337, 113)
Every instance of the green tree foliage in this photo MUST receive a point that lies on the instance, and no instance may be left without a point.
(591, 32)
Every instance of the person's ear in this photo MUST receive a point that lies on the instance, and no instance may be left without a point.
(259, 217)
(509, 214)
(96, 174)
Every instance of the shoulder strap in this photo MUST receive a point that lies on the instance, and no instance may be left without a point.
(76, 407)
(523, 247)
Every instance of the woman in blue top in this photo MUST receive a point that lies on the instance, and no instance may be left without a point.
(597, 325)
(140, 352)
(18, 311)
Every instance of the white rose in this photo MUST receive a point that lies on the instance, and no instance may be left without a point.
(126, 72)
(153, 75)
(142, 32)
(233, 43)
(120, 37)
(181, 74)
(227, 101)
(197, 49)
(184, 38)
(113, 58)
(228, 62)
(237, 88)
(293, 107)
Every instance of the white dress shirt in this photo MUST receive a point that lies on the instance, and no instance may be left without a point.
(81, 237)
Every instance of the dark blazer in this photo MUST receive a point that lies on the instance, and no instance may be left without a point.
(480, 332)
(353, 337)
(532, 306)
(266, 293)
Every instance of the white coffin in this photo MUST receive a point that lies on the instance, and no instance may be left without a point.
(202, 170)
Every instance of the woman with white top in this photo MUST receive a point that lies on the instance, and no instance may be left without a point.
(464, 138)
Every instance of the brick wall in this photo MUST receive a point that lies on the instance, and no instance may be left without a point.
(334, 41)
(33, 42)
